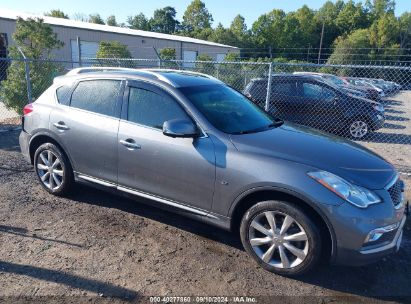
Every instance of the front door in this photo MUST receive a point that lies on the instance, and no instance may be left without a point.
(177, 169)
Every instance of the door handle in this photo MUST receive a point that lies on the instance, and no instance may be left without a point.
(130, 144)
(60, 125)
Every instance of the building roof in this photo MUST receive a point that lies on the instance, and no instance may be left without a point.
(13, 15)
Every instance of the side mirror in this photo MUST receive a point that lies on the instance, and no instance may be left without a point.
(183, 128)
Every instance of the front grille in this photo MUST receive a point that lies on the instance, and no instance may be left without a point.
(396, 192)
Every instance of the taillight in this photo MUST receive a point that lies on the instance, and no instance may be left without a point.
(28, 109)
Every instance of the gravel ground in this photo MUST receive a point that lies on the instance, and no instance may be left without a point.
(102, 247)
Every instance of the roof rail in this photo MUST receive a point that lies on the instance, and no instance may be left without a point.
(182, 71)
(77, 71)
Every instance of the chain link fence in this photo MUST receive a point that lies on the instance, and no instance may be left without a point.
(369, 104)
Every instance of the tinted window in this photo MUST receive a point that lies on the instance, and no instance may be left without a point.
(314, 91)
(99, 96)
(284, 88)
(228, 110)
(63, 94)
(151, 109)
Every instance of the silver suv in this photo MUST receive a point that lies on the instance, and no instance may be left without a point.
(188, 142)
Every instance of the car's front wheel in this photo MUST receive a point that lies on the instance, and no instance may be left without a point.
(281, 237)
(53, 169)
(358, 128)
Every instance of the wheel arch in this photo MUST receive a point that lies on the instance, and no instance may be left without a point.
(43, 137)
(253, 196)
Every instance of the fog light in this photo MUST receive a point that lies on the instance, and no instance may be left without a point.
(375, 234)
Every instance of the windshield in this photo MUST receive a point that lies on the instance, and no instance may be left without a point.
(228, 110)
(335, 80)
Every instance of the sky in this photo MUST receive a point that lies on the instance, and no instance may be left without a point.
(223, 11)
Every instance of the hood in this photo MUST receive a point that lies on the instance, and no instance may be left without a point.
(323, 151)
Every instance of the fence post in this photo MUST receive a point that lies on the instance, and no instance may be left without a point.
(267, 98)
(27, 75)
(79, 50)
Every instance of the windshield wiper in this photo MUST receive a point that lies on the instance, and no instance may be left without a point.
(275, 124)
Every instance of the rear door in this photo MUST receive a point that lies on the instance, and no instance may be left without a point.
(177, 169)
(87, 122)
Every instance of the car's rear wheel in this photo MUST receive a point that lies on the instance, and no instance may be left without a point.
(281, 237)
(53, 169)
(358, 128)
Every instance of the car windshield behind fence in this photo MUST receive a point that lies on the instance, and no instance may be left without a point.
(370, 104)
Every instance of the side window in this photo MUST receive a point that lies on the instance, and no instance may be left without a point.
(63, 94)
(151, 109)
(99, 96)
(284, 88)
(315, 91)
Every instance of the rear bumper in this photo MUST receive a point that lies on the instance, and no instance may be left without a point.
(24, 140)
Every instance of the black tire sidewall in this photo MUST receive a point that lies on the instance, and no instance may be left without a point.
(298, 214)
(67, 170)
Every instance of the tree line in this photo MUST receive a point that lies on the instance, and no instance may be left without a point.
(371, 28)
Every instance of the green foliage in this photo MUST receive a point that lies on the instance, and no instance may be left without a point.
(139, 22)
(167, 55)
(95, 18)
(164, 20)
(112, 49)
(36, 40)
(111, 20)
(196, 18)
(57, 14)
(207, 66)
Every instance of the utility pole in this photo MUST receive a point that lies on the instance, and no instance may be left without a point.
(321, 44)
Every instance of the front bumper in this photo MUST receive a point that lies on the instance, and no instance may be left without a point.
(353, 226)
(370, 255)
(378, 121)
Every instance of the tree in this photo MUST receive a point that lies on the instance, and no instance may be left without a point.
(57, 14)
(112, 49)
(196, 17)
(240, 32)
(81, 17)
(164, 20)
(96, 18)
(223, 35)
(351, 17)
(138, 22)
(352, 48)
(405, 30)
(111, 20)
(36, 40)
(167, 55)
(384, 32)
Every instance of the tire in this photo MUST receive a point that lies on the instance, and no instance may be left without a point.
(302, 235)
(358, 128)
(58, 178)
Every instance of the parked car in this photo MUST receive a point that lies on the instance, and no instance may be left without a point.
(357, 90)
(189, 143)
(307, 100)
(388, 86)
(362, 82)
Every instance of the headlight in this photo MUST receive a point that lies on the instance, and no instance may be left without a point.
(379, 108)
(356, 195)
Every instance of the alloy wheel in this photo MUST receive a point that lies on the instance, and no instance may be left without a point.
(278, 239)
(50, 170)
(358, 129)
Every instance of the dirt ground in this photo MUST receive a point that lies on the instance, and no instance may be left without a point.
(95, 247)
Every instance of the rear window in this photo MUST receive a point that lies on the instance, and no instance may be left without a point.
(98, 96)
(63, 94)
